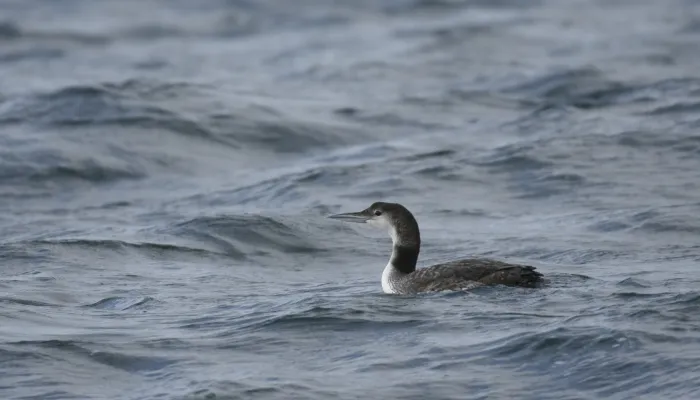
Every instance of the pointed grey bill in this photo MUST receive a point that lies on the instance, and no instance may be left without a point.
(352, 217)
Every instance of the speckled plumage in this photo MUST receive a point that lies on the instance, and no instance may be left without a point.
(465, 274)
(400, 276)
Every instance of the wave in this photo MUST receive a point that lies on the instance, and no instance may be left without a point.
(87, 351)
(248, 235)
(245, 390)
(155, 105)
(517, 157)
(603, 360)
(343, 319)
(11, 30)
(662, 220)
(589, 88)
(30, 160)
(127, 103)
(148, 249)
(554, 343)
(61, 137)
(37, 54)
(646, 140)
(297, 316)
(676, 108)
(54, 248)
(581, 88)
(113, 244)
(122, 303)
(89, 170)
(388, 119)
(25, 302)
(237, 237)
(447, 6)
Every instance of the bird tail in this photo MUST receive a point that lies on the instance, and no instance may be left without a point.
(529, 276)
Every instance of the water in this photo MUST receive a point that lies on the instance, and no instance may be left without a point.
(166, 168)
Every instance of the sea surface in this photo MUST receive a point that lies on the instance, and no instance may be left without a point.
(167, 167)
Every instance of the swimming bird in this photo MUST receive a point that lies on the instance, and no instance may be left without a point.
(400, 275)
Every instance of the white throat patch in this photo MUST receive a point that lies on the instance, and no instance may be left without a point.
(383, 223)
(389, 276)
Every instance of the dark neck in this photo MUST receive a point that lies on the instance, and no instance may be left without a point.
(406, 238)
(404, 258)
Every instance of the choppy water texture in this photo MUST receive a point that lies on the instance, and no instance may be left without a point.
(166, 168)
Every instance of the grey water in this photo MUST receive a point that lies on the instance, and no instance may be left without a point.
(167, 166)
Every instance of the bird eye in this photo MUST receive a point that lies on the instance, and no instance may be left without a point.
(377, 213)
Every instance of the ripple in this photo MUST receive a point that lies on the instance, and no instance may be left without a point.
(634, 283)
(51, 168)
(582, 88)
(103, 104)
(609, 226)
(668, 224)
(25, 302)
(587, 358)
(43, 54)
(512, 158)
(238, 231)
(117, 245)
(630, 295)
(9, 30)
(560, 341)
(284, 135)
(345, 319)
(677, 108)
(149, 104)
(118, 360)
(121, 303)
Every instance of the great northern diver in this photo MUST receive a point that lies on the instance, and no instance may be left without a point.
(400, 275)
